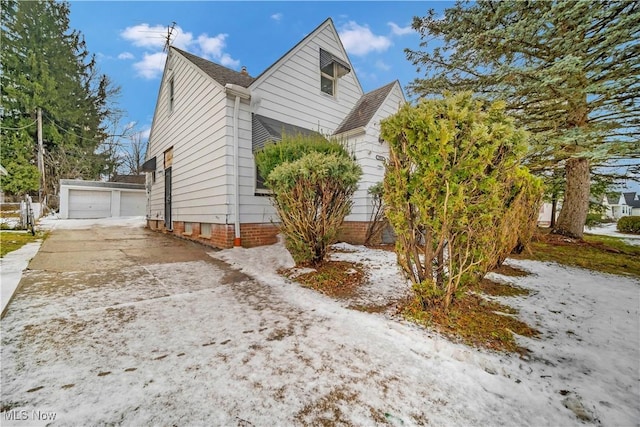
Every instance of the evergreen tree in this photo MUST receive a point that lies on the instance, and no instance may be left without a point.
(46, 65)
(567, 69)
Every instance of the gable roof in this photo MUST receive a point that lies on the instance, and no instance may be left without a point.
(631, 199)
(364, 110)
(344, 63)
(219, 73)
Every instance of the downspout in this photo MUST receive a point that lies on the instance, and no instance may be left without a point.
(238, 92)
(237, 241)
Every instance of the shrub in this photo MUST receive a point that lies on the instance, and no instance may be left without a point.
(294, 147)
(629, 224)
(455, 191)
(377, 220)
(312, 193)
(593, 219)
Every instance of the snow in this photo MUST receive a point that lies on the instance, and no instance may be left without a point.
(11, 267)
(611, 230)
(198, 343)
(53, 222)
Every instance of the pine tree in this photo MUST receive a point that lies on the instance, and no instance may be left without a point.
(46, 65)
(569, 71)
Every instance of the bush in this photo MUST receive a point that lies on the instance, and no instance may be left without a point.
(294, 147)
(312, 193)
(593, 219)
(455, 192)
(629, 224)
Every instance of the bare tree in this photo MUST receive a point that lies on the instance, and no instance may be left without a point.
(134, 156)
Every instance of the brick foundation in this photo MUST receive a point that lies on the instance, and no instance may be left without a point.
(222, 236)
(257, 234)
(354, 232)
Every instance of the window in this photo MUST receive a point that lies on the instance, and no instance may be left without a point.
(205, 230)
(331, 69)
(171, 93)
(188, 228)
(327, 79)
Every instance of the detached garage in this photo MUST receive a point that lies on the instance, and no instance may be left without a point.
(93, 199)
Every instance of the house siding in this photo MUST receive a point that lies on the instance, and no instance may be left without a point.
(200, 128)
(197, 130)
(367, 147)
(290, 91)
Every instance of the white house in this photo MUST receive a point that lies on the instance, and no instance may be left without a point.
(632, 201)
(210, 120)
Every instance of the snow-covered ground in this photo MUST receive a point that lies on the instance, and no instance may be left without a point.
(611, 230)
(588, 358)
(183, 344)
(53, 222)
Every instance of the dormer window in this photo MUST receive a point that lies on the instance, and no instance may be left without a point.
(331, 69)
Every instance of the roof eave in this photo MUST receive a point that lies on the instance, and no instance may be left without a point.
(351, 132)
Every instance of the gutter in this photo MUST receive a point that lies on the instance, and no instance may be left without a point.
(238, 92)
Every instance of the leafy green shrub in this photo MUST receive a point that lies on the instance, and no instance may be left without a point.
(294, 147)
(629, 224)
(593, 219)
(312, 186)
(455, 191)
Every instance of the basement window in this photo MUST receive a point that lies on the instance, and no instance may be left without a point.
(205, 230)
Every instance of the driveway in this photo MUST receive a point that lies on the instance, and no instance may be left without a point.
(122, 326)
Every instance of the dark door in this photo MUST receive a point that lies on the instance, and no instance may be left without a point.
(167, 199)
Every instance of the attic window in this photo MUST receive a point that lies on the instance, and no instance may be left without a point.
(171, 91)
(331, 69)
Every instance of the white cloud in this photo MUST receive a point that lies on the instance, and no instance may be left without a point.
(359, 40)
(180, 38)
(126, 55)
(400, 31)
(380, 64)
(228, 61)
(143, 35)
(151, 66)
(277, 17)
(144, 134)
(153, 38)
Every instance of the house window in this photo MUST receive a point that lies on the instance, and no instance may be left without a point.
(327, 79)
(331, 69)
(205, 230)
(171, 93)
(188, 228)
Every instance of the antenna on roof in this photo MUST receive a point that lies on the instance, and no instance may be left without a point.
(170, 31)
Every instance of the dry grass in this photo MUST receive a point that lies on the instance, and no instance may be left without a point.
(337, 279)
(600, 253)
(475, 321)
(14, 240)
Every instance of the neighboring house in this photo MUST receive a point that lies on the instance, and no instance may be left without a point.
(633, 203)
(544, 215)
(210, 120)
(616, 204)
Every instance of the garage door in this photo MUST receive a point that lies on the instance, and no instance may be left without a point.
(133, 203)
(89, 204)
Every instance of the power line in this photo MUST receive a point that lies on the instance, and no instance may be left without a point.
(20, 128)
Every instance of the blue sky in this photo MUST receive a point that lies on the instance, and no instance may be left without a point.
(128, 37)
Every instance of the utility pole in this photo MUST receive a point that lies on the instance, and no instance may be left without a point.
(41, 191)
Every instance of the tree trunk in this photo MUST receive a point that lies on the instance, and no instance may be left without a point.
(554, 207)
(575, 206)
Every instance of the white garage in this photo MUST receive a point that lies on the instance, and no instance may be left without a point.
(93, 199)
